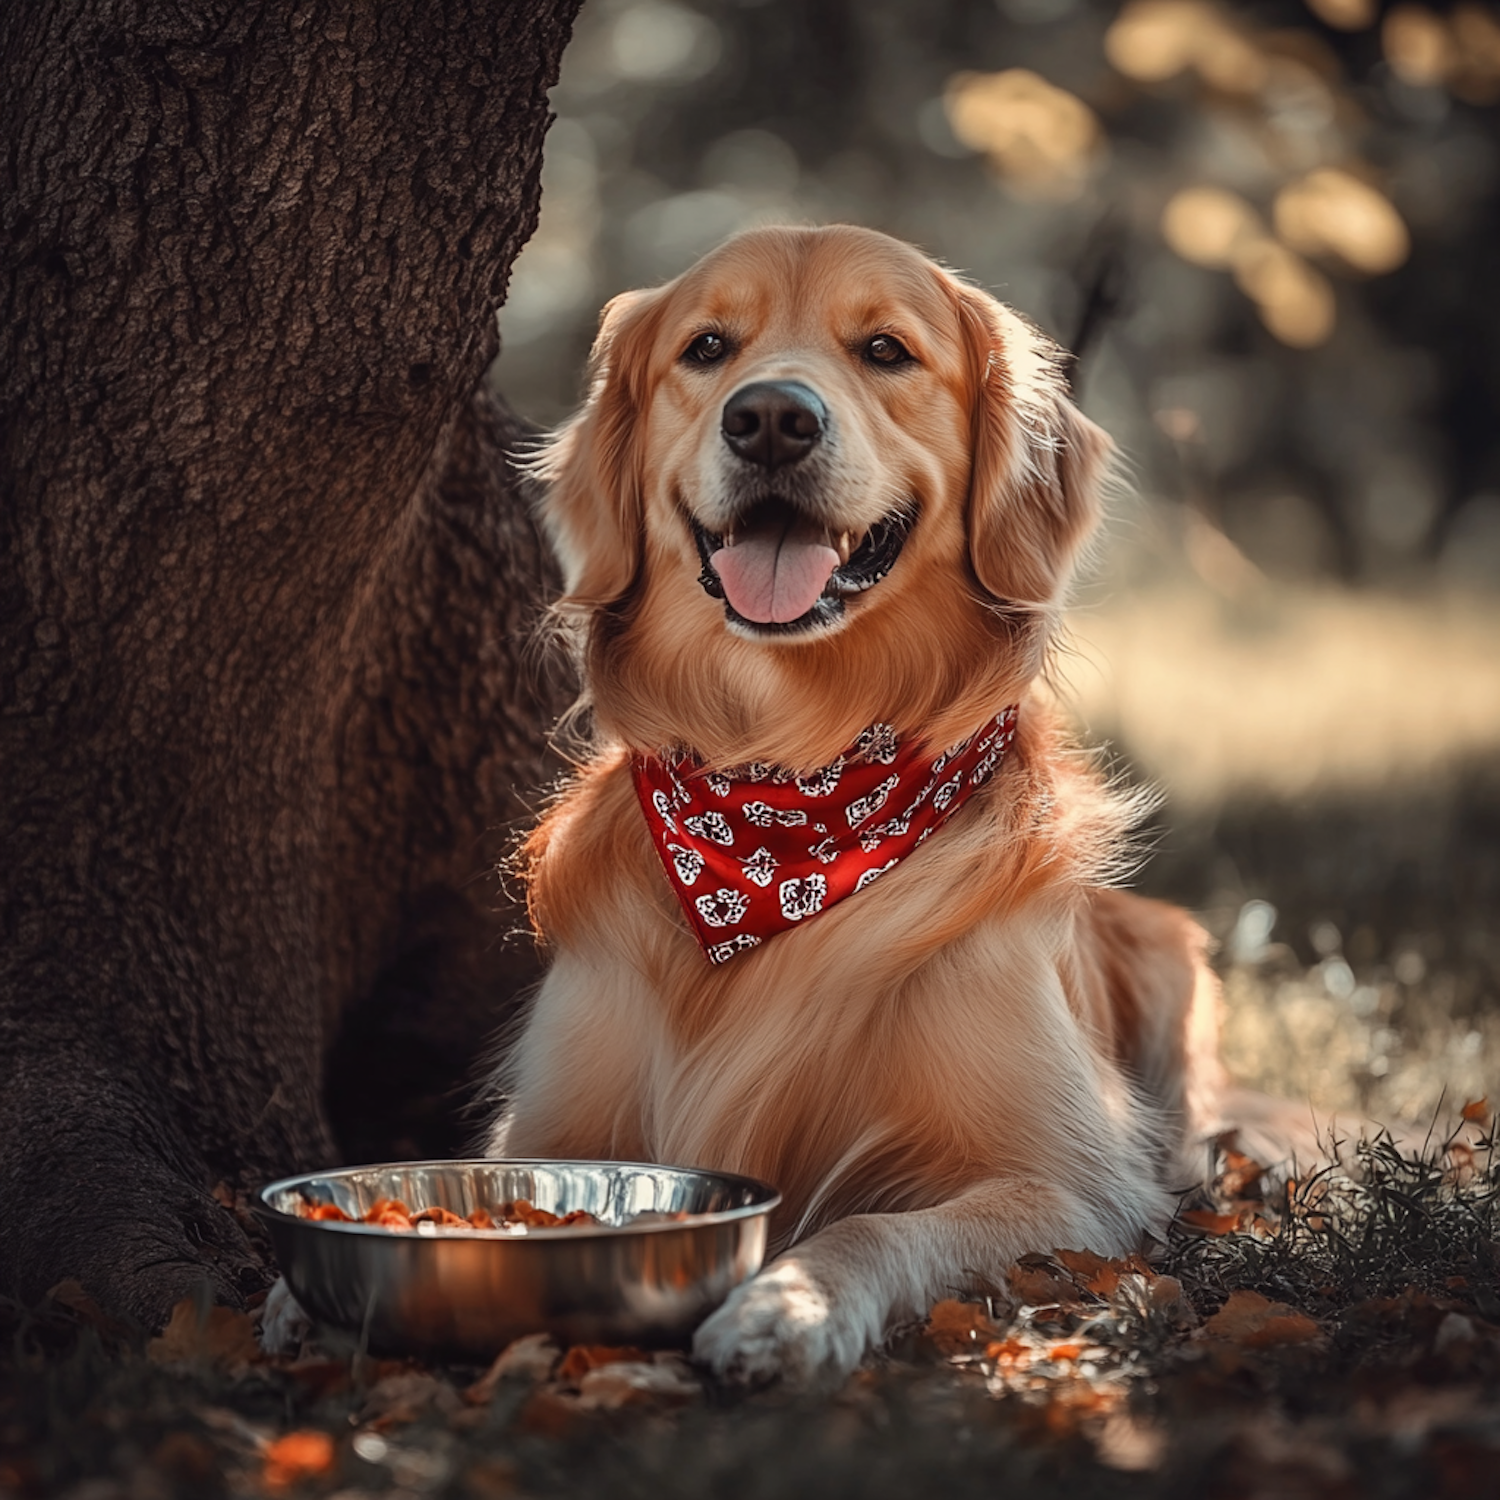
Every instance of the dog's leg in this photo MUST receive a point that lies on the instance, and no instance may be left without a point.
(574, 1082)
(813, 1313)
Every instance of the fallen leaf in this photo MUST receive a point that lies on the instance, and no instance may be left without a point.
(402, 1398)
(532, 1358)
(1460, 1163)
(220, 1336)
(1092, 1272)
(1167, 1297)
(582, 1358)
(1061, 1352)
(297, 1456)
(1209, 1221)
(1039, 1285)
(635, 1383)
(1255, 1322)
(1241, 1175)
(958, 1327)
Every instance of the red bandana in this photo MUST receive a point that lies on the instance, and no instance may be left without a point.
(754, 851)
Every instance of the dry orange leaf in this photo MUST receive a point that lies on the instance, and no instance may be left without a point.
(663, 1382)
(531, 1357)
(1476, 1111)
(1039, 1286)
(1255, 1322)
(1091, 1271)
(1209, 1221)
(1240, 1176)
(297, 1456)
(1061, 1352)
(959, 1327)
(582, 1358)
(222, 1337)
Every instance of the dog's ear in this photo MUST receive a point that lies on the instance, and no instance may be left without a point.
(1040, 465)
(593, 465)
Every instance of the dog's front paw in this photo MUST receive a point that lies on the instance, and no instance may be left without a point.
(782, 1324)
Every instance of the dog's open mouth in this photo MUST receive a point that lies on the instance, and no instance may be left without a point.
(780, 573)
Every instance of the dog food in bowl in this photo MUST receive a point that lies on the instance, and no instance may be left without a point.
(391, 1213)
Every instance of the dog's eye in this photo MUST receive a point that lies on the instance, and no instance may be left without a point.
(883, 349)
(706, 349)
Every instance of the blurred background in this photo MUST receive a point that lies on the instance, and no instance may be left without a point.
(1272, 233)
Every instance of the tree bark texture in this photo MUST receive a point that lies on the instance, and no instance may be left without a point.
(266, 579)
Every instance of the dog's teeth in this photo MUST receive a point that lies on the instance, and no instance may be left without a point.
(844, 545)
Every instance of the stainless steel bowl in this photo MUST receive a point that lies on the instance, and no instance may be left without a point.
(465, 1293)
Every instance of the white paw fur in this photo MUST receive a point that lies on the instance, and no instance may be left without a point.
(783, 1324)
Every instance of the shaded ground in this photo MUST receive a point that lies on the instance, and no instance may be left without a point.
(1333, 1338)
(1325, 1338)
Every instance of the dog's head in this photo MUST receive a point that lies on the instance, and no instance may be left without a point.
(818, 482)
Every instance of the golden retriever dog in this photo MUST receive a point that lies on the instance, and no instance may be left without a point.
(817, 516)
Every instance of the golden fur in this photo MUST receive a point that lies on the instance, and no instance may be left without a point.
(988, 1052)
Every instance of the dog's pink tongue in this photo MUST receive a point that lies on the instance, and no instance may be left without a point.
(772, 578)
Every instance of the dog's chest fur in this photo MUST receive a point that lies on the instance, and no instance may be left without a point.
(855, 1063)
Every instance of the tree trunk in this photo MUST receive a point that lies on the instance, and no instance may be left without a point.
(265, 579)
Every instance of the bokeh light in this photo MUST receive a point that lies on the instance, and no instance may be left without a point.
(1041, 139)
(1210, 225)
(1155, 40)
(1295, 301)
(1330, 212)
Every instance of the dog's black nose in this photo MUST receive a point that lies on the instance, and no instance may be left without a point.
(774, 422)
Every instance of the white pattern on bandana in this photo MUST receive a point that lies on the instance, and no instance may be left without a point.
(688, 863)
(763, 816)
(863, 808)
(825, 851)
(725, 908)
(872, 875)
(821, 783)
(878, 744)
(802, 898)
(711, 825)
(664, 809)
(947, 792)
(760, 867)
(721, 953)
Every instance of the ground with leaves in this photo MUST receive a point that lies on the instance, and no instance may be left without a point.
(1334, 1334)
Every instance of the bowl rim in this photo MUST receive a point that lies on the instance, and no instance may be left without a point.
(768, 1198)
